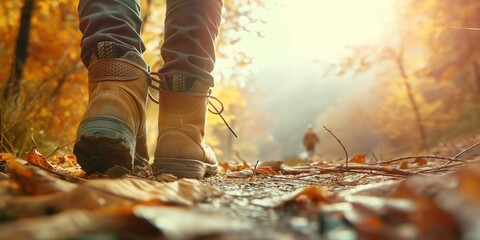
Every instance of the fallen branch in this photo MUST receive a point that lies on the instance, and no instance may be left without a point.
(440, 168)
(393, 171)
(72, 179)
(418, 156)
(239, 157)
(466, 150)
(254, 170)
(455, 158)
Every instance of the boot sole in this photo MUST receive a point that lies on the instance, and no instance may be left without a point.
(185, 168)
(103, 142)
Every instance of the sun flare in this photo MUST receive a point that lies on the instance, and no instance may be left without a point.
(315, 29)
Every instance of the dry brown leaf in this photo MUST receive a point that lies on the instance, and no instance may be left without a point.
(183, 223)
(269, 167)
(6, 156)
(420, 161)
(295, 170)
(119, 222)
(306, 198)
(35, 181)
(224, 166)
(463, 201)
(364, 219)
(358, 158)
(66, 161)
(130, 222)
(101, 193)
(241, 167)
(313, 194)
(428, 218)
(468, 183)
(404, 165)
(245, 173)
(36, 158)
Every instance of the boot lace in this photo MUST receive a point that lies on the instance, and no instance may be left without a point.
(156, 80)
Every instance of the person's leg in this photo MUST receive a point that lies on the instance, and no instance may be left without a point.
(110, 21)
(112, 131)
(190, 31)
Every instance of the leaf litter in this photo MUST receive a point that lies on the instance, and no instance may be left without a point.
(413, 197)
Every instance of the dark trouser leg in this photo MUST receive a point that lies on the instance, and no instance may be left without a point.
(191, 27)
(110, 20)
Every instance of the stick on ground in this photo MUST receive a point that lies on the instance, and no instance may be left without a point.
(338, 140)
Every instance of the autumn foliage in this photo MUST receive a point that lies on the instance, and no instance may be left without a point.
(426, 81)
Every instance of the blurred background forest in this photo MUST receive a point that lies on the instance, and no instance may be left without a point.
(386, 76)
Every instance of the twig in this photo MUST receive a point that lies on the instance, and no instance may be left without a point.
(338, 140)
(254, 170)
(465, 28)
(57, 148)
(419, 156)
(461, 153)
(239, 157)
(369, 168)
(435, 169)
(68, 178)
(466, 150)
(34, 142)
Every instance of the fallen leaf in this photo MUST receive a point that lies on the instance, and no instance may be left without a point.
(306, 198)
(224, 166)
(314, 194)
(101, 193)
(241, 167)
(269, 167)
(245, 173)
(36, 158)
(130, 222)
(117, 223)
(295, 170)
(420, 161)
(364, 219)
(35, 181)
(374, 189)
(6, 156)
(358, 158)
(183, 223)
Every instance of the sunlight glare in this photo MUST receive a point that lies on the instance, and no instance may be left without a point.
(315, 30)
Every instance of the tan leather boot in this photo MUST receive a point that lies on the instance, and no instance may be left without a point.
(181, 149)
(112, 131)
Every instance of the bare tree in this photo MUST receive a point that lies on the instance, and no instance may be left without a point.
(12, 86)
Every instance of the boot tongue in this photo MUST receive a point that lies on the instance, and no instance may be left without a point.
(179, 83)
(113, 50)
(109, 50)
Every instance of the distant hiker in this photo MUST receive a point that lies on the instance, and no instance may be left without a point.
(310, 139)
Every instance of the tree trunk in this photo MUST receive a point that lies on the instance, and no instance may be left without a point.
(12, 86)
(476, 70)
(413, 102)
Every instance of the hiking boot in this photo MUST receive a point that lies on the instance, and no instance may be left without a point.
(181, 149)
(112, 131)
